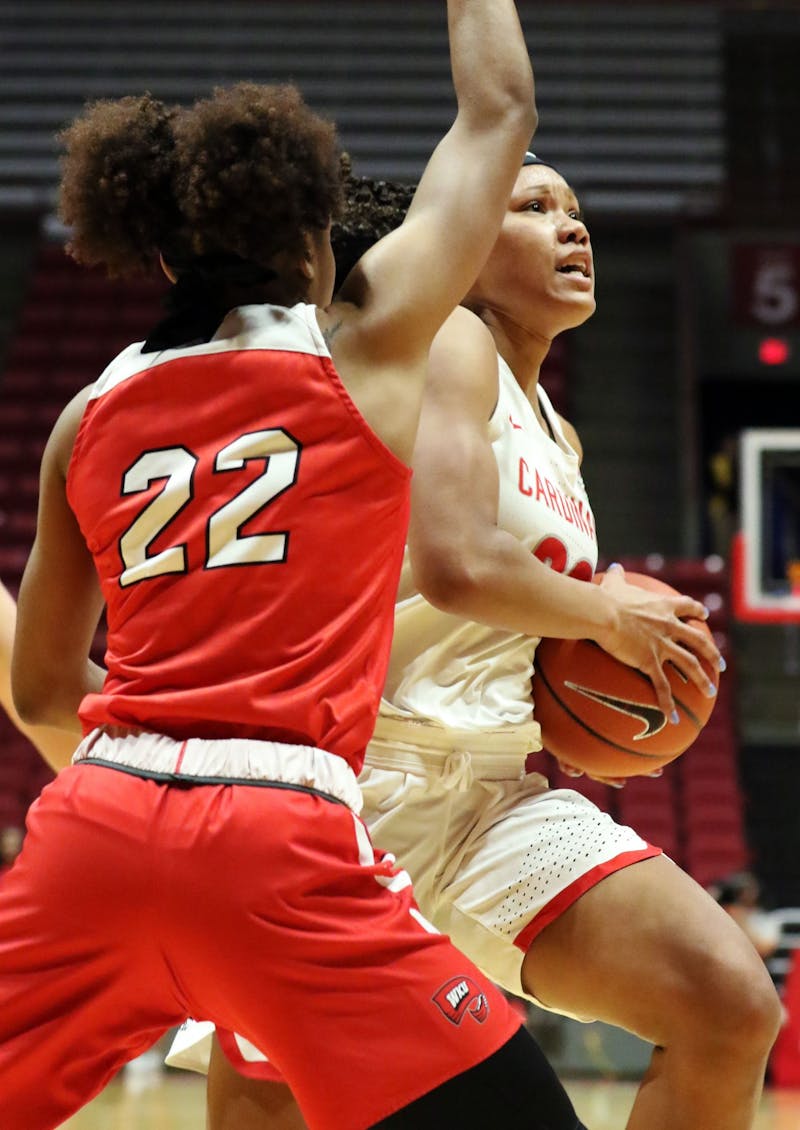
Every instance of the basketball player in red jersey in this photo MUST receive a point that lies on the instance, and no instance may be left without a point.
(235, 491)
(545, 892)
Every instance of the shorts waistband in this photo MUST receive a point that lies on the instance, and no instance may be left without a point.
(413, 745)
(228, 760)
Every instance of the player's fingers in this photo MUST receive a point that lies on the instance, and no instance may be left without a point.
(614, 577)
(663, 691)
(700, 643)
(687, 608)
(573, 771)
(691, 668)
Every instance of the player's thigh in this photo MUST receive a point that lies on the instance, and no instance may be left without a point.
(532, 853)
(648, 949)
(330, 933)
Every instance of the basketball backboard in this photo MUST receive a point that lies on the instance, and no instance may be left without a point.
(766, 557)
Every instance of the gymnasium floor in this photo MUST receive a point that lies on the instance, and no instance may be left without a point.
(176, 1102)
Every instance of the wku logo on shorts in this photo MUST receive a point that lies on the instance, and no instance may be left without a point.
(459, 997)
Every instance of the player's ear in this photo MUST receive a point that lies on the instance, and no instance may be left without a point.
(306, 263)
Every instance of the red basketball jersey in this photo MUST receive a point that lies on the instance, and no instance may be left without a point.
(248, 530)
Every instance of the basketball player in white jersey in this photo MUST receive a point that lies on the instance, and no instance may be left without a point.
(544, 891)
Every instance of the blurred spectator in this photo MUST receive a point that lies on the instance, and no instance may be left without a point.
(11, 838)
(739, 895)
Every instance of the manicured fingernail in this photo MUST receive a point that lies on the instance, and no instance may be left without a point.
(616, 784)
(711, 690)
(706, 612)
(658, 773)
(674, 717)
(615, 565)
(722, 665)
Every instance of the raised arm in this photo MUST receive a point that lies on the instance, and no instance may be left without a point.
(408, 283)
(466, 564)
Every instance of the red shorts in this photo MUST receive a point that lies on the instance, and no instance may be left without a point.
(135, 904)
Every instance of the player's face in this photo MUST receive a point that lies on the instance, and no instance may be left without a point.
(541, 270)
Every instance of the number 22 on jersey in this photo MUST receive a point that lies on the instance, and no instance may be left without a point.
(225, 545)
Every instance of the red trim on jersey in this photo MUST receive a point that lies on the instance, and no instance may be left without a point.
(564, 899)
(179, 762)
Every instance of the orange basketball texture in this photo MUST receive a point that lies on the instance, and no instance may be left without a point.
(601, 715)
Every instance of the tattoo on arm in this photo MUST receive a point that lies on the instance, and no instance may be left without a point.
(330, 332)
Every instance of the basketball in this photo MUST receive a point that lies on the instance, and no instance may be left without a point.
(601, 715)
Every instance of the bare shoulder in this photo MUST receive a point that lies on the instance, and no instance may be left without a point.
(377, 307)
(333, 319)
(386, 390)
(62, 438)
(572, 437)
(357, 350)
(463, 326)
(463, 358)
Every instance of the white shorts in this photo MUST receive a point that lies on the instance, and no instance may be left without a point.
(495, 855)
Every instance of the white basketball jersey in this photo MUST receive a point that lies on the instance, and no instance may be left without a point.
(464, 675)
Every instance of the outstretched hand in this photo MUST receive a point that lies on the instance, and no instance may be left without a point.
(651, 630)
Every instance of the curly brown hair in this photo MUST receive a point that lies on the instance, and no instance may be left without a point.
(373, 208)
(116, 189)
(245, 172)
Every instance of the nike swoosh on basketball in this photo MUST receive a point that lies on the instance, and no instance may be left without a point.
(654, 719)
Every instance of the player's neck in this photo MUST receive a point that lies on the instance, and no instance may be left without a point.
(522, 349)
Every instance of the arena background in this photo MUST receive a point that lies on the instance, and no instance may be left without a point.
(677, 123)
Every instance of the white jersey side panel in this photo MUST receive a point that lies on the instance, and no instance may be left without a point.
(463, 675)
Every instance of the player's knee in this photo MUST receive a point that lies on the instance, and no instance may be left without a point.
(515, 1088)
(734, 1006)
(751, 1005)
